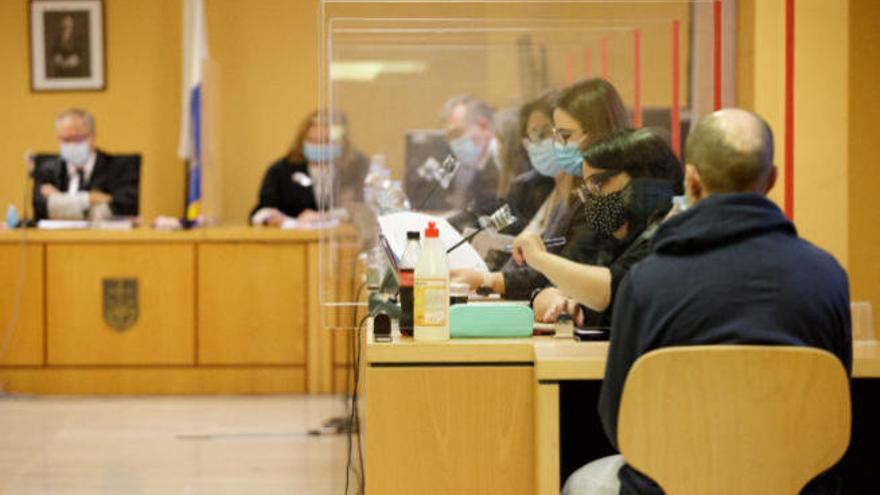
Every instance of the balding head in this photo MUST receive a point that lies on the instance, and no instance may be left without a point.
(731, 151)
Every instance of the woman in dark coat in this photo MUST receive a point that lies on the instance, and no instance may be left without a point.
(320, 172)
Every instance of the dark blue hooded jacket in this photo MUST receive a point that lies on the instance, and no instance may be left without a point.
(729, 270)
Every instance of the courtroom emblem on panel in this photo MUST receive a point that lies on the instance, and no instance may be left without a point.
(120, 302)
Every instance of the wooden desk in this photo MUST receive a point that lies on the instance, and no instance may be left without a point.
(219, 310)
(450, 417)
(427, 405)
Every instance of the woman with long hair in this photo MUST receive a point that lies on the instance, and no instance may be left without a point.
(585, 112)
(321, 170)
(630, 179)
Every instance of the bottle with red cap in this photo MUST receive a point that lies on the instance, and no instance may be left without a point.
(431, 289)
(406, 276)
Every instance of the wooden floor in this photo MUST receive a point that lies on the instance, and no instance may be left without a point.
(171, 445)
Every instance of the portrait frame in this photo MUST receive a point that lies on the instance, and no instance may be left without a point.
(67, 45)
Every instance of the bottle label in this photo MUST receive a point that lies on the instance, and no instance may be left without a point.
(431, 297)
(406, 278)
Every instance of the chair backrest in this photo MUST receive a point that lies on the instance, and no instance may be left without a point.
(734, 419)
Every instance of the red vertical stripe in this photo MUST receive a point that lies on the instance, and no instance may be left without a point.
(716, 59)
(789, 109)
(569, 69)
(603, 47)
(675, 116)
(588, 63)
(637, 79)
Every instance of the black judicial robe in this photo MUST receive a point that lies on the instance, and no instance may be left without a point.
(116, 175)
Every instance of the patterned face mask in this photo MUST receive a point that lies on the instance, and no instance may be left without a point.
(605, 213)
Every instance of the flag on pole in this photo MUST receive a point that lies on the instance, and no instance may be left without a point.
(195, 52)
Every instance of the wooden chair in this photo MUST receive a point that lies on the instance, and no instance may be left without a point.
(744, 420)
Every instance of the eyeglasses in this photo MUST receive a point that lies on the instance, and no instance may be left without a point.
(563, 136)
(593, 184)
(539, 134)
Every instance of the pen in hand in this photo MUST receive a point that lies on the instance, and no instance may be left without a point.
(549, 242)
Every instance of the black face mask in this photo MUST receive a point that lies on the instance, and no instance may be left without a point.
(605, 213)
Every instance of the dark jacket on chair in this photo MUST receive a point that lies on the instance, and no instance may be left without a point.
(116, 175)
(729, 270)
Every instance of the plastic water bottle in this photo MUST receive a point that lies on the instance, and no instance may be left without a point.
(11, 216)
(431, 289)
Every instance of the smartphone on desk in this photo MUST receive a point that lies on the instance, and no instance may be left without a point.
(590, 334)
(539, 328)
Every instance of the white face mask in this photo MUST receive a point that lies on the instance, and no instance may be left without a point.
(466, 150)
(75, 154)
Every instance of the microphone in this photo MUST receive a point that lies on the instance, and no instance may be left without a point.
(441, 175)
(497, 221)
(30, 167)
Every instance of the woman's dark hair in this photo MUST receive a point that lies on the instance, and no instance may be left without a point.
(597, 107)
(544, 104)
(640, 153)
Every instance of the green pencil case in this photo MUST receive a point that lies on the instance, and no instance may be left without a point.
(489, 320)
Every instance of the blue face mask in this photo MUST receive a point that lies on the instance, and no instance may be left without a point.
(543, 157)
(322, 153)
(466, 151)
(569, 159)
(76, 154)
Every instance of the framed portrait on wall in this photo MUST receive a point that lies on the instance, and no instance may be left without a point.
(67, 45)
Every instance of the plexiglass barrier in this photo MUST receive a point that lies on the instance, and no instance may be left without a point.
(425, 100)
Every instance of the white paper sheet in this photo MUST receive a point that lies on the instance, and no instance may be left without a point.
(395, 226)
(64, 224)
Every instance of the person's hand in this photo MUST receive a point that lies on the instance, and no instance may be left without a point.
(308, 216)
(526, 246)
(275, 219)
(565, 305)
(48, 190)
(97, 198)
(470, 276)
(550, 303)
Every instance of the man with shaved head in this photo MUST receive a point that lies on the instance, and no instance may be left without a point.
(730, 269)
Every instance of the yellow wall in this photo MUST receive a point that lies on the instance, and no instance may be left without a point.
(745, 53)
(864, 174)
(137, 112)
(836, 104)
(821, 124)
(266, 57)
(821, 109)
(768, 70)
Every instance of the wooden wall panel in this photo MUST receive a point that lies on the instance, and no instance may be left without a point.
(21, 268)
(77, 331)
(441, 430)
(253, 303)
